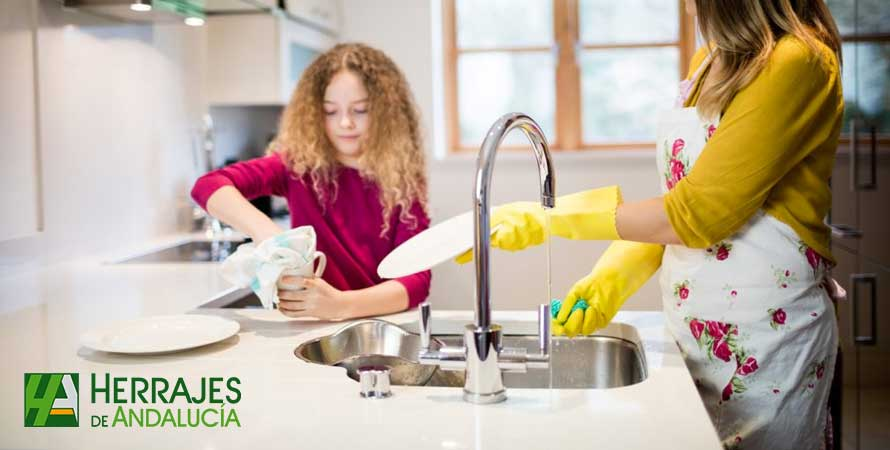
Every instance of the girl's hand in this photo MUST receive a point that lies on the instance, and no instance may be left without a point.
(319, 299)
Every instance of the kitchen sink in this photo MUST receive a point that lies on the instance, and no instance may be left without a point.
(191, 251)
(611, 358)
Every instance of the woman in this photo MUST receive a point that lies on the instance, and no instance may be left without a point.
(744, 166)
(350, 161)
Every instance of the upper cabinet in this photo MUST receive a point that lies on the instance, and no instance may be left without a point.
(20, 203)
(321, 13)
(257, 59)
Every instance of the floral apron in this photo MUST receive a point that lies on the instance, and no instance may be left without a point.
(754, 324)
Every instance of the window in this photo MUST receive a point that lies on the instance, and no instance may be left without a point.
(864, 26)
(592, 73)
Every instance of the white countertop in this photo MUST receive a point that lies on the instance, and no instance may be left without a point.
(288, 403)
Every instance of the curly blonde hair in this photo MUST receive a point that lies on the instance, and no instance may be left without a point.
(392, 148)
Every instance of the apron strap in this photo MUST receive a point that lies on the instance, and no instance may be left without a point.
(701, 67)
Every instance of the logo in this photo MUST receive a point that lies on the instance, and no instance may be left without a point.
(51, 400)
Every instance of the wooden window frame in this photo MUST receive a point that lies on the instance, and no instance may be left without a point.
(883, 139)
(568, 111)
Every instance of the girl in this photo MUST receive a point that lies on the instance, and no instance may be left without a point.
(744, 163)
(349, 159)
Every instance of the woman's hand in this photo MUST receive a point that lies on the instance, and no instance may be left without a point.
(588, 215)
(318, 299)
(622, 269)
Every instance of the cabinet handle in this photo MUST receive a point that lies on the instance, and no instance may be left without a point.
(873, 161)
(844, 231)
(855, 183)
(854, 156)
(856, 280)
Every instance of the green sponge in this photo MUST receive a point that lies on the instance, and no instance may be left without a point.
(556, 303)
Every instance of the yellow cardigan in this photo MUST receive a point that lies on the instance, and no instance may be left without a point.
(774, 149)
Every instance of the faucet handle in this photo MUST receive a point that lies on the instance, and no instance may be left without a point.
(425, 331)
(541, 360)
(544, 328)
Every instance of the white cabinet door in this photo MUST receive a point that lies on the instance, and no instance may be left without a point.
(256, 59)
(242, 60)
(299, 45)
(20, 205)
(323, 13)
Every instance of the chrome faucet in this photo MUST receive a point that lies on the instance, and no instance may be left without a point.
(210, 226)
(483, 355)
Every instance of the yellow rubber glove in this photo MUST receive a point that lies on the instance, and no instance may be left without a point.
(622, 269)
(583, 215)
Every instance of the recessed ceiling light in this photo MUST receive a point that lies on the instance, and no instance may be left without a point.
(194, 21)
(140, 6)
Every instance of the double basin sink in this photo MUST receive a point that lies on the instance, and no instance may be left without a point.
(611, 358)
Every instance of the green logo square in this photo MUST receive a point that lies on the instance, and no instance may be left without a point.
(51, 400)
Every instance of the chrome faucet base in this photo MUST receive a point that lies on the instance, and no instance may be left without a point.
(485, 399)
(484, 381)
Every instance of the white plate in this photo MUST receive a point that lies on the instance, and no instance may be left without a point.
(159, 334)
(437, 244)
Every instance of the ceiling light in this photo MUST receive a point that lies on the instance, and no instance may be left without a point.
(141, 5)
(194, 21)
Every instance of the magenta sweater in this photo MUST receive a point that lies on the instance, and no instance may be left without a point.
(348, 230)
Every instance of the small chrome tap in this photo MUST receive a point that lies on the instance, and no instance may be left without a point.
(483, 355)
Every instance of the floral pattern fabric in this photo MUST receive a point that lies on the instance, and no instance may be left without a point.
(753, 322)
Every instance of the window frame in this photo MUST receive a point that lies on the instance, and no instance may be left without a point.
(882, 139)
(568, 108)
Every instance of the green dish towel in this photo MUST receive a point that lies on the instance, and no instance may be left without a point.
(556, 303)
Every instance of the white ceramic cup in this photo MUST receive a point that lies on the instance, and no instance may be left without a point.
(303, 272)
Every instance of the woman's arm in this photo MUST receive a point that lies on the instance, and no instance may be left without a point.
(228, 205)
(323, 301)
(646, 221)
(224, 193)
(787, 112)
(385, 298)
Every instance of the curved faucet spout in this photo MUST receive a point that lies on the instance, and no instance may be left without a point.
(481, 206)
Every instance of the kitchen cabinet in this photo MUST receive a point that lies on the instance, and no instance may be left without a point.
(865, 349)
(322, 13)
(860, 219)
(871, 316)
(20, 203)
(257, 59)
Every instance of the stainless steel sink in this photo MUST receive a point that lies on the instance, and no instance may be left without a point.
(611, 358)
(191, 251)
(371, 343)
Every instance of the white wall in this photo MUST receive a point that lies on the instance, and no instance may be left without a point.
(117, 103)
(19, 158)
(405, 30)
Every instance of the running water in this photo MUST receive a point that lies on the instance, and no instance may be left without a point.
(547, 243)
(549, 297)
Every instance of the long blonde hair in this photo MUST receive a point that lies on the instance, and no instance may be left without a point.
(392, 149)
(743, 33)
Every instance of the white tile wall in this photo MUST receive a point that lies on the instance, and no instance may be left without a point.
(117, 102)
